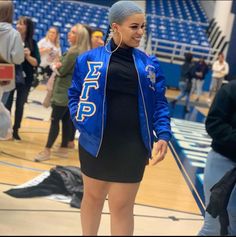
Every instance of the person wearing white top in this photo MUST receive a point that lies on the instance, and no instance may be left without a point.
(50, 50)
(220, 69)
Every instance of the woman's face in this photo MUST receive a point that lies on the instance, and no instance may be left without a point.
(221, 58)
(72, 36)
(131, 29)
(21, 27)
(52, 34)
(97, 39)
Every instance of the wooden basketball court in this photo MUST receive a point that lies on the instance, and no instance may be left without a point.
(165, 204)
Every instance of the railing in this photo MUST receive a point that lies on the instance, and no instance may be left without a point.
(172, 51)
(205, 24)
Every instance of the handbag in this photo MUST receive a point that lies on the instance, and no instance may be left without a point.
(7, 71)
(50, 83)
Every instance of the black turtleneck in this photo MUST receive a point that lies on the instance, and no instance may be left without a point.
(122, 76)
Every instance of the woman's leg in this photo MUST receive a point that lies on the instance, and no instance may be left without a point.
(9, 101)
(194, 86)
(121, 198)
(71, 143)
(182, 87)
(66, 130)
(57, 114)
(95, 192)
(213, 87)
(216, 167)
(199, 88)
(21, 98)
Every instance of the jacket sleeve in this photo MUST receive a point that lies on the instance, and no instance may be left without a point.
(218, 120)
(68, 62)
(17, 51)
(161, 118)
(75, 91)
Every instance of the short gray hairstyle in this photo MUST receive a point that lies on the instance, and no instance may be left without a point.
(122, 9)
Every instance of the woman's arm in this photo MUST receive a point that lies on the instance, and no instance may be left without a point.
(29, 58)
(67, 64)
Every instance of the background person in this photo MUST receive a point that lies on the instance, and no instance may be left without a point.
(185, 81)
(78, 38)
(32, 59)
(97, 38)
(221, 127)
(11, 50)
(50, 50)
(199, 73)
(220, 69)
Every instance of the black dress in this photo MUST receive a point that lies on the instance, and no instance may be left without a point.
(123, 156)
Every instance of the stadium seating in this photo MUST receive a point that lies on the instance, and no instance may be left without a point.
(177, 26)
(62, 14)
(171, 22)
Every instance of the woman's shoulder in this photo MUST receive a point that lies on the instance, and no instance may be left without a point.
(35, 42)
(149, 58)
(13, 33)
(91, 53)
(42, 41)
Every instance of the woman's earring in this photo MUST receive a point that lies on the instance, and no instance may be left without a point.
(121, 38)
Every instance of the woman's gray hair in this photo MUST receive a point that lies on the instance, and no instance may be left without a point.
(122, 9)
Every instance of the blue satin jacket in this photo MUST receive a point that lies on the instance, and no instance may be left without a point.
(87, 98)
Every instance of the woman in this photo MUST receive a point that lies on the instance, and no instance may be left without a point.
(50, 50)
(221, 127)
(97, 38)
(220, 69)
(11, 50)
(78, 38)
(25, 26)
(116, 101)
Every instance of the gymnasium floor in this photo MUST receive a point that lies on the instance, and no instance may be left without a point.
(170, 199)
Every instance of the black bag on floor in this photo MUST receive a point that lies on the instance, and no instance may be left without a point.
(65, 180)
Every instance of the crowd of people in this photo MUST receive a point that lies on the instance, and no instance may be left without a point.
(45, 57)
(106, 88)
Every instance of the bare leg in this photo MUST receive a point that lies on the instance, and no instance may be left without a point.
(95, 192)
(121, 199)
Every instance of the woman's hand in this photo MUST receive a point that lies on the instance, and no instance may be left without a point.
(58, 65)
(27, 52)
(159, 151)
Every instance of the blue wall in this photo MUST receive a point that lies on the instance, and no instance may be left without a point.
(172, 74)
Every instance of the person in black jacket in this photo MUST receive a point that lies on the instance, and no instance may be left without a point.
(185, 82)
(199, 73)
(221, 126)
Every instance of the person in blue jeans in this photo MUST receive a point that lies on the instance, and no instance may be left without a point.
(185, 82)
(221, 126)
